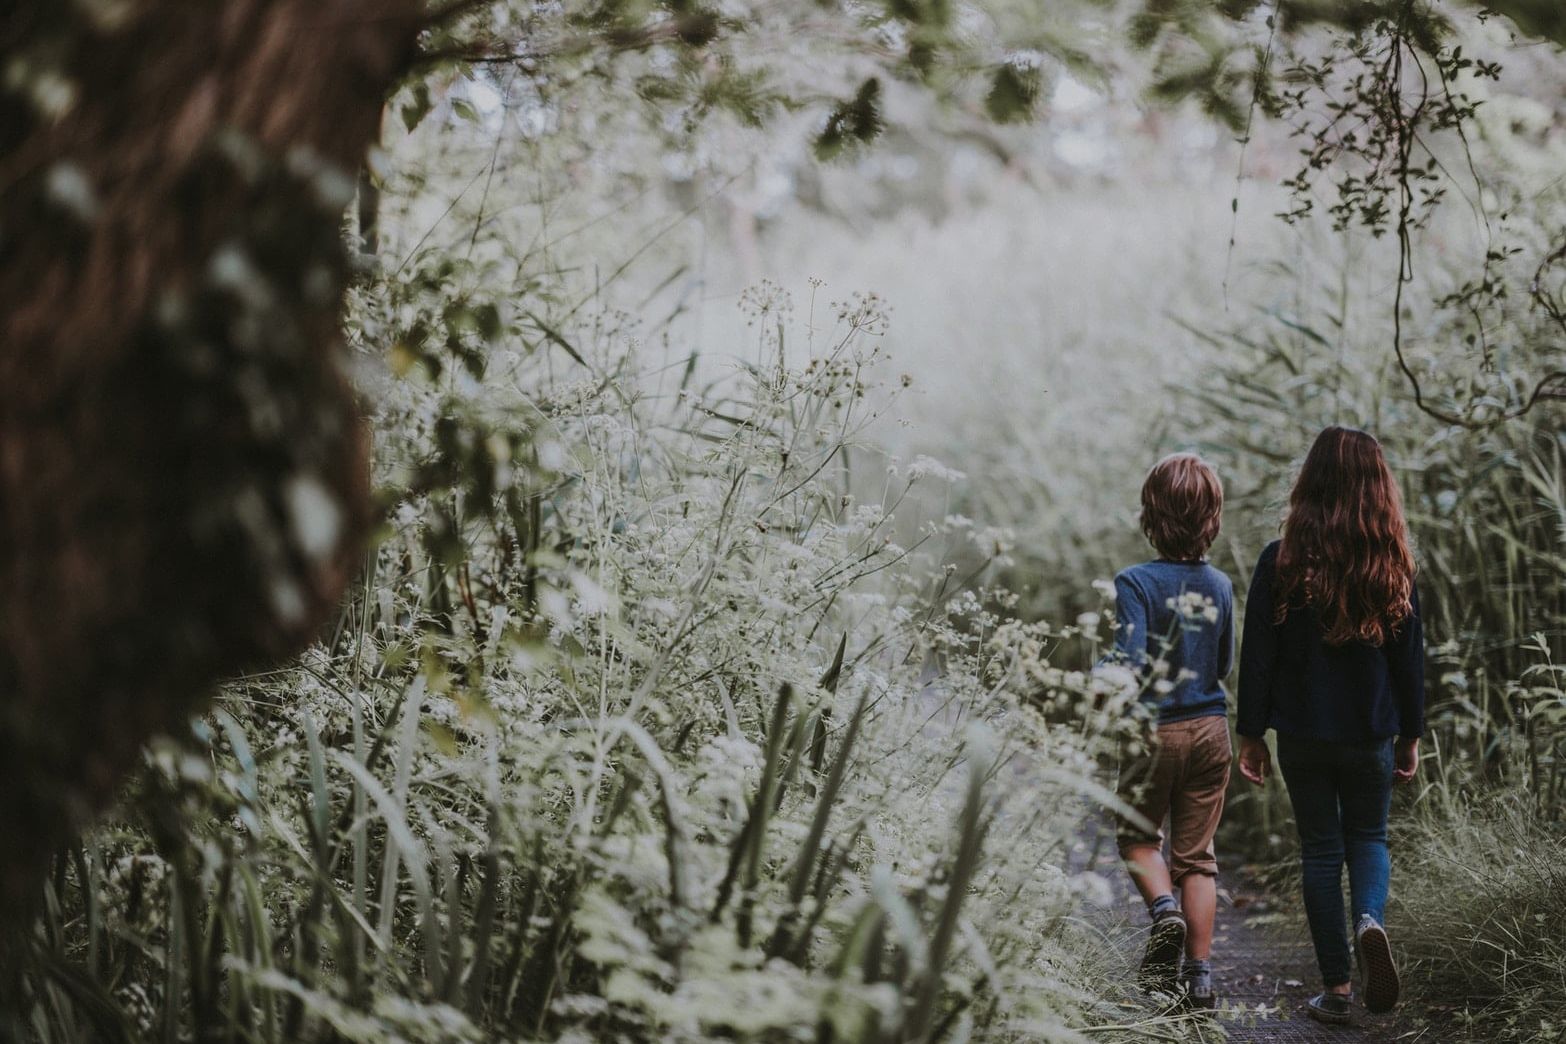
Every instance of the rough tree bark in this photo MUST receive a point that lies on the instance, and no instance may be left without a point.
(182, 470)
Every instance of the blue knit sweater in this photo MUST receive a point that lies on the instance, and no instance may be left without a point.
(1176, 630)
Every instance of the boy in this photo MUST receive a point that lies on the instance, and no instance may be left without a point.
(1175, 631)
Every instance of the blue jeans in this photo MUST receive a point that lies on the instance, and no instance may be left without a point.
(1341, 794)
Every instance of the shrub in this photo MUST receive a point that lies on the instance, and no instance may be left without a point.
(639, 727)
(1487, 928)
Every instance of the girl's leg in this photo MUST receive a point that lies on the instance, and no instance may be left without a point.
(1310, 773)
(1367, 795)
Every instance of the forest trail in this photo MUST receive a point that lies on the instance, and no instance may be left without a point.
(1263, 965)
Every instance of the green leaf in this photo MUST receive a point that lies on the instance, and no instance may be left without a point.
(487, 318)
(417, 107)
(1545, 19)
(854, 122)
(1014, 92)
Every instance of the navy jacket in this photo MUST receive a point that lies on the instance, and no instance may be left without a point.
(1292, 681)
(1175, 628)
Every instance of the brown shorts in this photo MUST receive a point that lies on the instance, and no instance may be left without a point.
(1181, 781)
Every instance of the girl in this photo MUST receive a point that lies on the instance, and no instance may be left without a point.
(1333, 661)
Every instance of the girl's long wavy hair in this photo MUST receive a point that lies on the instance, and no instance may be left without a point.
(1345, 541)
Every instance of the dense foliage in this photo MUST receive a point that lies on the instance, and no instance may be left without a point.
(639, 727)
(672, 705)
(1488, 513)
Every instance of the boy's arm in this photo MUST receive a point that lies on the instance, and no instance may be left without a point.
(1131, 619)
(1406, 664)
(1258, 654)
(1226, 637)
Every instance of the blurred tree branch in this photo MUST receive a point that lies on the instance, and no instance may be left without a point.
(182, 474)
(1370, 88)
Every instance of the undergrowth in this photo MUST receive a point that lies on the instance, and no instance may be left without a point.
(1476, 842)
(638, 727)
(1486, 929)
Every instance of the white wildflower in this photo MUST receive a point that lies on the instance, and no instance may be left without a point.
(923, 466)
(1116, 678)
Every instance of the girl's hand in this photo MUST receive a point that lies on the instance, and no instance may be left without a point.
(1255, 760)
(1405, 760)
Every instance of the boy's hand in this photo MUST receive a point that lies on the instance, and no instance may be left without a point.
(1255, 759)
(1405, 760)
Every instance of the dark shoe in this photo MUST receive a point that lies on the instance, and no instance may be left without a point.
(1377, 969)
(1160, 971)
(1332, 1008)
(1200, 998)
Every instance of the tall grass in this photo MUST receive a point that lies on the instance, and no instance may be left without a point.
(1478, 887)
(639, 727)
(1477, 843)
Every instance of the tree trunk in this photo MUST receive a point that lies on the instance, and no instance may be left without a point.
(182, 469)
(369, 213)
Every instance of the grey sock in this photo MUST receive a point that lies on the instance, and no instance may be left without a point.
(1198, 972)
(1163, 904)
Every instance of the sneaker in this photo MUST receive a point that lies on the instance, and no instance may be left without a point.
(1377, 969)
(1332, 1008)
(1200, 997)
(1160, 971)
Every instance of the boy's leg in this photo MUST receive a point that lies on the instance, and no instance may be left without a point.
(1199, 900)
(1196, 806)
(1144, 786)
(1195, 809)
(1310, 774)
(1148, 871)
(1160, 968)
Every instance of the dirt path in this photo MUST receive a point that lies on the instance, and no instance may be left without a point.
(1263, 965)
(1263, 962)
